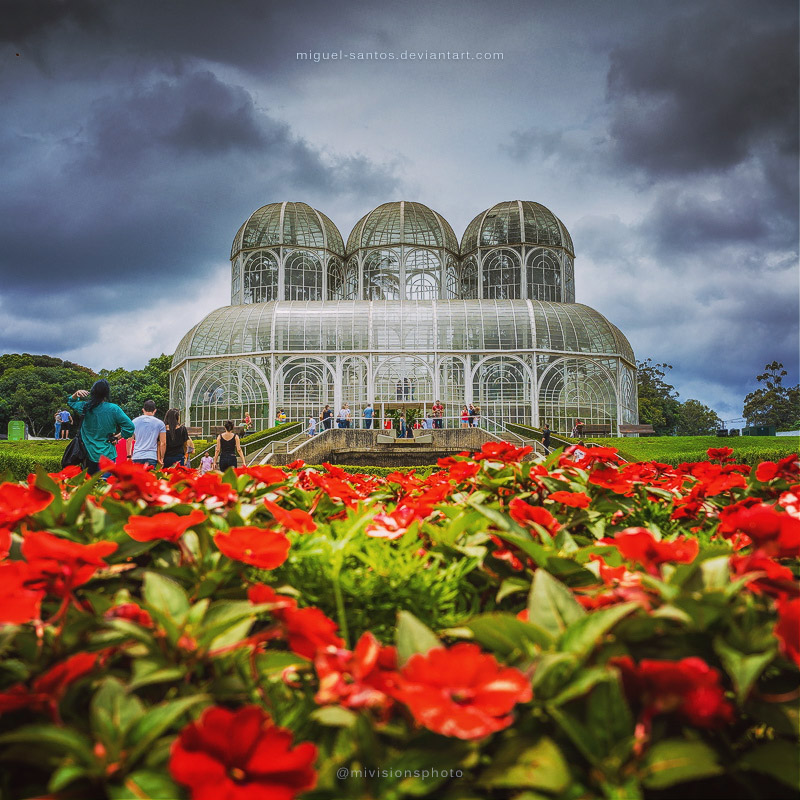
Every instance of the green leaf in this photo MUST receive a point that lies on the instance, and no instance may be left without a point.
(165, 675)
(535, 551)
(677, 761)
(511, 586)
(716, 572)
(233, 634)
(166, 596)
(743, 668)
(78, 498)
(222, 615)
(412, 636)
(551, 604)
(519, 765)
(586, 680)
(53, 738)
(65, 775)
(504, 633)
(777, 759)
(334, 716)
(276, 661)
(157, 721)
(112, 712)
(583, 634)
(145, 785)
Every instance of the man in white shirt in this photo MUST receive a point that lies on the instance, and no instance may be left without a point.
(149, 440)
(344, 415)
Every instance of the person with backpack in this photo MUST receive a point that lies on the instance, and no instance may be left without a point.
(103, 422)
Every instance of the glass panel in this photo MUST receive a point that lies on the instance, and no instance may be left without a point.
(422, 275)
(382, 275)
(501, 275)
(303, 276)
(502, 390)
(544, 275)
(261, 277)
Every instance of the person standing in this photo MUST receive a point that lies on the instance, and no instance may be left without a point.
(476, 418)
(312, 426)
(344, 416)
(369, 413)
(177, 439)
(66, 423)
(464, 417)
(228, 445)
(437, 413)
(281, 418)
(103, 422)
(327, 418)
(546, 437)
(247, 422)
(58, 424)
(149, 439)
(471, 415)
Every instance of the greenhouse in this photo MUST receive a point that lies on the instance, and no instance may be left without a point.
(404, 316)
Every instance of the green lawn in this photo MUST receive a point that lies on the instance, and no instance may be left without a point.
(676, 449)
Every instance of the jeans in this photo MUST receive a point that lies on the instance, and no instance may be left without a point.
(170, 461)
(151, 461)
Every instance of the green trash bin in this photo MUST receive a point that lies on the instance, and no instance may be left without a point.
(16, 430)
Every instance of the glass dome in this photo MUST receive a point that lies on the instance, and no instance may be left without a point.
(402, 223)
(291, 224)
(516, 222)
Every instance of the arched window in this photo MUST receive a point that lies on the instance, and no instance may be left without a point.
(303, 277)
(544, 275)
(261, 277)
(382, 276)
(469, 280)
(501, 275)
(451, 280)
(336, 280)
(423, 269)
(502, 390)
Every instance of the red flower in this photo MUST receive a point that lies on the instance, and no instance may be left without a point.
(294, 519)
(613, 479)
(787, 468)
(5, 542)
(688, 687)
(241, 755)
(640, 546)
(47, 690)
(787, 628)
(528, 515)
(58, 565)
(775, 533)
(204, 487)
(777, 581)
(572, 499)
(363, 678)
(306, 629)
(264, 473)
(18, 603)
(132, 613)
(18, 502)
(132, 482)
(502, 451)
(721, 454)
(166, 525)
(391, 526)
(258, 547)
(461, 692)
(462, 471)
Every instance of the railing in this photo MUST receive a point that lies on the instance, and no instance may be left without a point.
(248, 447)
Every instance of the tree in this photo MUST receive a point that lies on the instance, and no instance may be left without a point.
(695, 419)
(773, 403)
(658, 400)
(130, 388)
(34, 393)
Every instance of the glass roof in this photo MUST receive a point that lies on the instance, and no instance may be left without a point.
(402, 223)
(516, 222)
(289, 224)
(388, 326)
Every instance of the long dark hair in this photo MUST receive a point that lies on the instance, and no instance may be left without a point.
(99, 393)
(172, 421)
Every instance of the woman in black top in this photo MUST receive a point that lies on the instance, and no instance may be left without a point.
(177, 438)
(227, 446)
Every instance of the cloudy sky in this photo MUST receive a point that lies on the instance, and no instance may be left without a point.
(136, 136)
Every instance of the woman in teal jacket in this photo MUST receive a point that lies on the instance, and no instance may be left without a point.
(102, 422)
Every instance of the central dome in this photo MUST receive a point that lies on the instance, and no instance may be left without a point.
(402, 223)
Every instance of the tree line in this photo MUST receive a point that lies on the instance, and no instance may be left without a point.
(771, 404)
(34, 387)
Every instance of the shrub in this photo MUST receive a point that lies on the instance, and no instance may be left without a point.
(564, 630)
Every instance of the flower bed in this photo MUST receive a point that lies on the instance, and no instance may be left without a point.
(497, 629)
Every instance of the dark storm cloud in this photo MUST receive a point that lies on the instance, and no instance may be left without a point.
(704, 91)
(151, 188)
(26, 19)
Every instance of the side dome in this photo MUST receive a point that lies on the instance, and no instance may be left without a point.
(516, 222)
(290, 224)
(402, 223)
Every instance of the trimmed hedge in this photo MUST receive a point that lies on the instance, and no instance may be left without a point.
(381, 472)
(21, 458)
